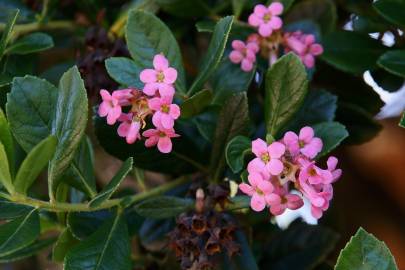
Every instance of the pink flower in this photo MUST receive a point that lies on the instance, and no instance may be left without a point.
(279, 203)
(266, 19)
(305, 143)
(161, 78)
(313, 174)
(319, 197)
(332, 163)
(267, 157)
(110, 107)
(304, 46)
(244, 54)
(258, 189)
(165, 111)
(160, 137)
(129, 128)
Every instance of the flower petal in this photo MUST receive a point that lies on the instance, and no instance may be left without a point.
(306, 134)
(148, 76)
(236, 57)
(265, 30)
(245, 188)
(257, 202)
(276, 8)
(276, 149)
(170, 75)
(275, 22)
(275, 166)
(259, 147)
(164, 145)
(160, 62)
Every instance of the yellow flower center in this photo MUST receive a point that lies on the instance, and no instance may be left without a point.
(267, 17)
(259, 191)
(160, 77)
(265, 157)
(165, 108)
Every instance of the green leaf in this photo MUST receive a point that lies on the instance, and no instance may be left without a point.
(214, 53)
(351, 51)
(301, 246)
(332, 134)
(235, 152)
(8, 29)
(28, 251)
(184, 8)
(205, 26)
(34, 164)
(31, 43)
(286, 87)
(394, 62)
(147, 36)
(34, 123)
(364, 251)
(238, 202)
(391, 10)
(124, 71)
(69, 124)
(7, 140)
(361, 125)
(237, 7)
(5, 176)
(196, 104)
(323, 12)
(163, 207)
(19, 233)
(229, 79)
(80, 174)
(233, 120)
(402, 122)
(10, 210)
(112, 186)
(83, 224)
(107, 248)
(369, 24)
(65, 242)
(319, 106)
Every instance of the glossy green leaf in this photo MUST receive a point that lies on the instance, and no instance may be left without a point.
(107, 248)
(5, 175)
(369, 24)
(232, 121)
(365, 251)
(332, 134)
(402, 122)
(83, 224)
(236, 80)
(112, 186)
(34, 164)
(31, 43)
(65, 242)
(323, 12)
(28, 251)
(214, 53)
(163, 207)
(7, 140)
(286, 87)
(301, 246)
(19, 233)
(8, 29)
(391, 10)
(361, 125)
(147, 36)
(394, 62)
(184, 8)
(235, 152)
(34, 123)
(319, 106)
(205, 26)
(196, 103)
(351, 51)
(10, 210)
(124, 71)
(69, 124)
(80, 174)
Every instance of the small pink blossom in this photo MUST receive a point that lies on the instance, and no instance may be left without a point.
(305, 143)
(258, 189)
(244, 54)
(129, 128)
(332, 163)
(160, 137)
(267, 157)
(304, 45)
(110, 107)
(266, 18)
(161, 78)
(313, 174)
(279, 203)
(165, 111)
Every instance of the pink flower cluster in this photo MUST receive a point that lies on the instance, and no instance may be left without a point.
(287, 165)
(304, 45)
(269, 38)
(156, 99)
